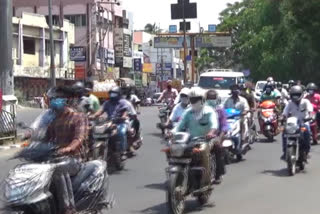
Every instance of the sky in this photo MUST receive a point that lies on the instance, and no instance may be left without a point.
(159, 12)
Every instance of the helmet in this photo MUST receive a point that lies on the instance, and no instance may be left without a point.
(185, 91)
(270, 79)
(270, 85)
(78, 86)
(279, 84)
(291, 82)
(115, 89)
(312, 86)
(196, 92)
(296, 93)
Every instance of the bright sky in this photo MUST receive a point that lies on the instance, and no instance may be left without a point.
(158, 11)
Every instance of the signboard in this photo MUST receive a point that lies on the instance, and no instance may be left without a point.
(127, 45)
(147, 67)
(212, 28)
(165, 67)
(137, 65)
(78, 54)
(213, 41)
(110, 57)
(127, 62)
(170, 42)
(138, 79)
(118, 46)
(172, 28)
(80, 72)
(189, 11)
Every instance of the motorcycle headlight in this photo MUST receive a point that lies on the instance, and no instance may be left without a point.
(26, 180)
(177, 150)
(291, 128)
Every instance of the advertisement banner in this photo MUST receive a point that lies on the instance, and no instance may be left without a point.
(213, 41)
(137, 65)
(147, 68)
(170, 42)
(127, 45)
(78, 54)
(165, 67)
(118, 46)
(80, 72)
(110, 57)
(127, 62)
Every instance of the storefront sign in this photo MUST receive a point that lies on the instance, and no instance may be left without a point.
(78, 54)
(137, 65)
(147, 68)
(80, 72)
(170, 42)
(110, 57)
(165, 67)
(127, 62)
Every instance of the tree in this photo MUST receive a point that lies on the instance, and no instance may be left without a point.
(152, 28)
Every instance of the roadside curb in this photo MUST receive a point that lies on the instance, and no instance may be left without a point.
(15, 146)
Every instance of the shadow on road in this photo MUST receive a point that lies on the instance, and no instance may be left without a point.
(264, 140)
(277, 173)
(160, 186)
(159, 135)
(191, 207)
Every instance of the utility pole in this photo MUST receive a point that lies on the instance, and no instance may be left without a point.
(101, 41)
(52, 64)
(184, 42)
(6, 70)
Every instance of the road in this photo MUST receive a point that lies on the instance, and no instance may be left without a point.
(259, 184)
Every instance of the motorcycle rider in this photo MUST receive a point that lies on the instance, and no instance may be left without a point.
(133, 98)
(302, 109)
(168, 95)
(291, 83)
(68, 130)
(215, 102)
(284, 93)
(117, 108)
(314, 98)
(241, 104)
(180, 108)
(248, 94)
(200, 120)
(269, 94)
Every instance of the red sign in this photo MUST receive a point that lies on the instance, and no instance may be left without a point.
(80, 72)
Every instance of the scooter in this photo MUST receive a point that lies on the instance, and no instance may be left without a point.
(235, 149)
(164, 113)
(28, 187)
(268, 119)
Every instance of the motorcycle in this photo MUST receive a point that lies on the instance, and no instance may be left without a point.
(164, 113)
(235, 149)
(134, 137)
(28, 188)
(268, 119)
(105, 144)
(184, 175)
(296, 157)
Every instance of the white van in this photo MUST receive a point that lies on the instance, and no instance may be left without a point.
(220, 80)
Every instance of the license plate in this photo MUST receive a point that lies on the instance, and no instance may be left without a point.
(178, 160)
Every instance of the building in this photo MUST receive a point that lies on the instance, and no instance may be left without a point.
(96, 23)
(31, 53)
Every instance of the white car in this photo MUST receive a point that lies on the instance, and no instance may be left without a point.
(220, 80)
(259, 89)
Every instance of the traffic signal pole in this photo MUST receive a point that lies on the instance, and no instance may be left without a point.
(184, 43)
(6, 63)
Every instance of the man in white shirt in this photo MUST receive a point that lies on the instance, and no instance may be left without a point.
(302, 109)
(241, 104)
(180, 108)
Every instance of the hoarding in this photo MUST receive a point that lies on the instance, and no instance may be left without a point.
(78, 54)
(170, 42)
(213, 41)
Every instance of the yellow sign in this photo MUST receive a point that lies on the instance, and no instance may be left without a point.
(147, 68)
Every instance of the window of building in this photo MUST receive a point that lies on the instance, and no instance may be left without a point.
(55, 20)
(77, 20)
(29, 46)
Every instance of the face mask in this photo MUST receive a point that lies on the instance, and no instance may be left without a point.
(311, 92)
(212, 103)
(295, 98)
(58, 104)
(197, 107)
(185, 100)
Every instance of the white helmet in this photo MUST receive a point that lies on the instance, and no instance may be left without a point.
(196, 92)
(270, 79)
(185, 91)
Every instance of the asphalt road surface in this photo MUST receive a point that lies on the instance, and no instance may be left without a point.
(258, 185)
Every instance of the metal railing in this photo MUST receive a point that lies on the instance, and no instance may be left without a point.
(8, 129)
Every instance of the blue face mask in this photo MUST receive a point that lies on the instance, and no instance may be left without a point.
(58, 104)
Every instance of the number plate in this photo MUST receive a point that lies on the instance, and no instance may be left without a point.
(178, 160)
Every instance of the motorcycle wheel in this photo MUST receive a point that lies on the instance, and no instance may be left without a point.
(175, 205)
(291, 165)
(239, 157)
(270, 138)
(119, 164)
(204, 198)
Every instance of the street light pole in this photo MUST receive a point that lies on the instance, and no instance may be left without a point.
(184, 42)
(6, 73)
(52, 64)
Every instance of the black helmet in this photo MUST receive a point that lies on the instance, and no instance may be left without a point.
(58, 92)
(279, 84)
(296, 93)
(312, 86)
(78, 86)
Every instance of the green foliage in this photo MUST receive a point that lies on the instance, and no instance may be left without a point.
(152, 29)
(280, 38)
